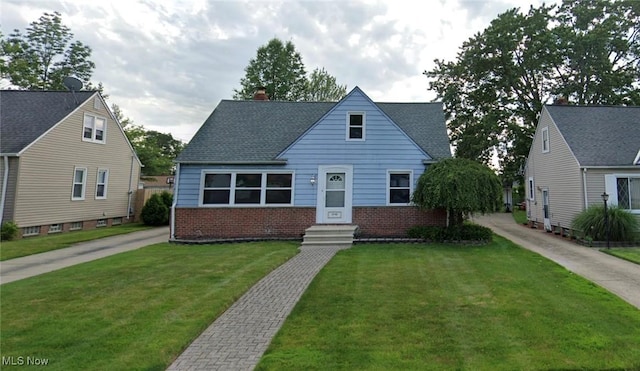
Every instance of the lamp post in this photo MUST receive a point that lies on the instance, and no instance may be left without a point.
(605, 198)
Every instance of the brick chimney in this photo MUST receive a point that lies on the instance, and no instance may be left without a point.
(560, 100)
(261, 94)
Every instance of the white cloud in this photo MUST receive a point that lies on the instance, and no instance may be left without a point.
(167, 64)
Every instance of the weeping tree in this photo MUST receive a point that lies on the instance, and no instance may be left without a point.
(460, 186)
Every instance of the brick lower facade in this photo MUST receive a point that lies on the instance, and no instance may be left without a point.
(291, 222)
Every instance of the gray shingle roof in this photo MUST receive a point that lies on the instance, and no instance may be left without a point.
(599, 135)
(255, 131)
(27, 114)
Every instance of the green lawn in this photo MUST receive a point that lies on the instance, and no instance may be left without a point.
(520, 216)
(35, 245)
(441, 307)
(631, 254)
(132, 311)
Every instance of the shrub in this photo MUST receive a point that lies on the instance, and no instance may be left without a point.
(167, 199)
(154, 211)
(9, 231)
(622, 225)
(464, 232)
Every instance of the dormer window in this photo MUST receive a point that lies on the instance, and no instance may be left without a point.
(94, 129)
(355, 126)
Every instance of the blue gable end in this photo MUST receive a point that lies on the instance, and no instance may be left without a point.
(385, 147)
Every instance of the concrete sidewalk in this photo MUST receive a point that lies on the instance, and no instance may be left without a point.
(33, 265)
(616, 275)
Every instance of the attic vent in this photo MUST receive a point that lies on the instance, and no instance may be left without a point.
(96, 103)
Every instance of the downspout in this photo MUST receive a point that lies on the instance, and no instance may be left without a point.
(130, 190)
(175, 201)
(5, 181)
(584, 186)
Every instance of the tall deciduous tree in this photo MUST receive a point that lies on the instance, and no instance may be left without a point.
(279, 68)
(44, 55)
(586, 51)
(322, 87)
(460, 186)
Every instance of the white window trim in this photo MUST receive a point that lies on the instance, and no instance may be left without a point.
(364, 126)
(232, 188)
(31, 231)
(93, 129)
(532, 190)
(106, 183)
(84, 183)
(545, 130)
(55, 228)
(388, 185)
(76, 227)
(611, 187)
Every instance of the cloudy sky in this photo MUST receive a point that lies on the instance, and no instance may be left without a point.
(168, 63)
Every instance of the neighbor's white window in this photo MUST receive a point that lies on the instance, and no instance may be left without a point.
(54, 228)
(531, 190)
(75, 226)
(628, 191)
(247, 188)
(94, 129)
(399, 184)
(545, 140)
(79, 182)
(31, 231)
(356, 125)
(101, 183)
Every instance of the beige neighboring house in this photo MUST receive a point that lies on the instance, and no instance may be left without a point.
(65, 163)
(578, 154)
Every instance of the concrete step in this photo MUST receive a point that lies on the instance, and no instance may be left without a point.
(329, 235)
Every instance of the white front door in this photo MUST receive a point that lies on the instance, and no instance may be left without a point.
(334, 194)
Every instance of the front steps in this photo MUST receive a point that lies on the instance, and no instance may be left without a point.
(320, 235)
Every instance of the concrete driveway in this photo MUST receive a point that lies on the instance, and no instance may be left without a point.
(33, 265)
(616, 275)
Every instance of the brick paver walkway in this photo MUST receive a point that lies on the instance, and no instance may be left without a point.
(239, 337)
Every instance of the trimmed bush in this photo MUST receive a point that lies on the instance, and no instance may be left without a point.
(9, 231)
(464, 232)
(623, 225)
(167, 199)
(154, 211)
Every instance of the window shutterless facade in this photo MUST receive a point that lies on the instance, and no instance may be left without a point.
(545, 140)
(356, 125)
(79, 183)
(101, 183)
(246, 188)
(628, 189)
(94, 129)
(399, 183)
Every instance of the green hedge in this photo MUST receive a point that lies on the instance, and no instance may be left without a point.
(464, 232)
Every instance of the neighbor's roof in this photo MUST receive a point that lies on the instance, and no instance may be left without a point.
(27, 114)
(599, 135)
(255, 131)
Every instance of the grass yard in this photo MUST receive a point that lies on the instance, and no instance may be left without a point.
(439, 307)
(631, 254)
(132, 311)
(520, 216)
(35, 245)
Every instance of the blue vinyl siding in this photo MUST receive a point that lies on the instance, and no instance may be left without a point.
(385, 147)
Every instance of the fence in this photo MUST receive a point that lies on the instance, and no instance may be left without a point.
(142, 195)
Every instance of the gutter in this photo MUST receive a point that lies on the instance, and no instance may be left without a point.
(584, 187)
(612, 167)
(268, 162)
(176, 182)
(5, 181)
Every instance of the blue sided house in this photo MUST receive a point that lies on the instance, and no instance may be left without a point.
(271, 169)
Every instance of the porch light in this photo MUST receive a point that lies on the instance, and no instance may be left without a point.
(313, 180)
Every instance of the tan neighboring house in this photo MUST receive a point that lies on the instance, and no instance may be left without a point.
(578, 154)
(65, 163)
